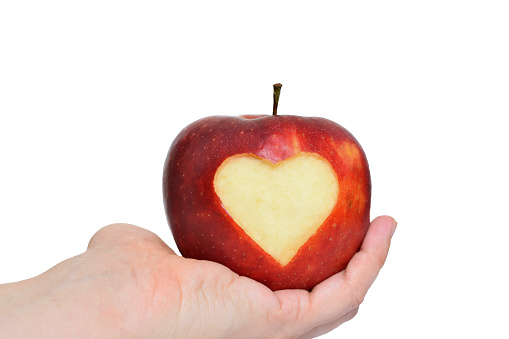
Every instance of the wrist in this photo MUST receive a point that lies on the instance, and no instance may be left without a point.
(19, 307)
(61, 302)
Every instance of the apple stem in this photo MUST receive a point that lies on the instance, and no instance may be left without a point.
(277, 92)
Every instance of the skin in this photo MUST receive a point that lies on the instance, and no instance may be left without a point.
(130, 284)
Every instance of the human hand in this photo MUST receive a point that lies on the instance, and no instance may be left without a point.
(129, 283)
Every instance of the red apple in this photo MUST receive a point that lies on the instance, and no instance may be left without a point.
(283, 200)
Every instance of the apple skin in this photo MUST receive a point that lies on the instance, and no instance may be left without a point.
(204, 230)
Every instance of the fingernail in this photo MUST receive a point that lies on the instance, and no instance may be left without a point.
(394, 225)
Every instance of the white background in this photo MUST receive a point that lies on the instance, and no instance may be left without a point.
(92, 94)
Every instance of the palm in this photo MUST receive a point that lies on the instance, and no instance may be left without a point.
(205, 299)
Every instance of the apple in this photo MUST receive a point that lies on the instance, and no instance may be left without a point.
(281, 199)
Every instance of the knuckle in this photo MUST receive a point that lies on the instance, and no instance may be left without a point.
(108, 234)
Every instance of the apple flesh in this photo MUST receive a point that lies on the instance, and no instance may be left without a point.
(280, 206)
(281, 199)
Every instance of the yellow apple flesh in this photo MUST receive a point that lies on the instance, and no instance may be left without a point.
(280, 206)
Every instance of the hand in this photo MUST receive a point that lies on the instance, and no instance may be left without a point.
(129, 283)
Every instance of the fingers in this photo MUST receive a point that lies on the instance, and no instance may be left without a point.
(326, 328)
(345, 291)
(364, 267)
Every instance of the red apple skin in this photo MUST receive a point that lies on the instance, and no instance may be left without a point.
(204, 230)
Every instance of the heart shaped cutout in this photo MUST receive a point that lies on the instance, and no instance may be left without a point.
(280, 206)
